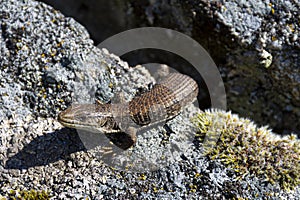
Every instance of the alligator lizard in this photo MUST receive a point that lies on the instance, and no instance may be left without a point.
(163, 102)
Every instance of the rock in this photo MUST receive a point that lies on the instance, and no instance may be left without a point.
(44, 58)
(236, 34)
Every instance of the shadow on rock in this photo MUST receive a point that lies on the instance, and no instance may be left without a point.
(46, 149)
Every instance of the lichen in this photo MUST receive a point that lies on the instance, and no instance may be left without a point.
(248, 149)
(28, 195)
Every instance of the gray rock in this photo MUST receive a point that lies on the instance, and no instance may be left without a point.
(44, 58)
(236, 34)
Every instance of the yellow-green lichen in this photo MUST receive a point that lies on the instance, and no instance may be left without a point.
(28, 195)
(248, 149)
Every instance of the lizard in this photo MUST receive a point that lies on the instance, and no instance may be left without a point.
(121, 121)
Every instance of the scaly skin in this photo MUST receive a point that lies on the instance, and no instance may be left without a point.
(163, 102)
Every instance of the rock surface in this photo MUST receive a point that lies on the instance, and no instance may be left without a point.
(44, 58)
(255, 44)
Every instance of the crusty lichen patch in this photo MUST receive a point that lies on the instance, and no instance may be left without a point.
(248, 149)
(29, 195)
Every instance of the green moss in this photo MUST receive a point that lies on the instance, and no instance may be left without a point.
(247, 149)
(28, 195)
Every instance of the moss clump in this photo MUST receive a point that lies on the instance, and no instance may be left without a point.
(28, 195)
(247, 149)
